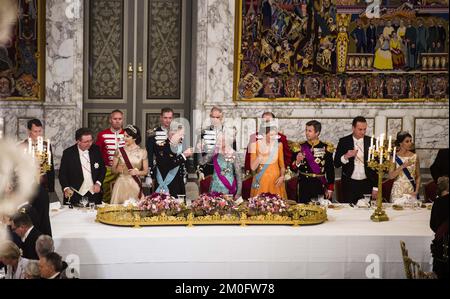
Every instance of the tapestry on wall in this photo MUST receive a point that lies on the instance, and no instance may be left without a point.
(341, 50)
(22, 57)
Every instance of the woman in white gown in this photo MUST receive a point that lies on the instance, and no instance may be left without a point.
(407, 169)
(128, 184)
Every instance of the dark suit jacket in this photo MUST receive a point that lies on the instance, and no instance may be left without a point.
(440, 165)
(41, 204)
(167, 160)
(70, 172)
(345, 144)
(150, 145)
(29, 246)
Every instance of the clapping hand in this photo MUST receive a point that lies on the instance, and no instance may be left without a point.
(351, 153)
(133, 172)
(279, 181)
(407, 164)
(96, 188)
(188, 152)
(300, 157)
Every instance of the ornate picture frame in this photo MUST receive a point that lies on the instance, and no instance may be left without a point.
(277, 45)
(22, 59)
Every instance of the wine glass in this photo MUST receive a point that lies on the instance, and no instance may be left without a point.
(314, 200)
(84, 201)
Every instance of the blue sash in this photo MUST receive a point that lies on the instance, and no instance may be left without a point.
(407, 174)
(274, 150)
(163, 185)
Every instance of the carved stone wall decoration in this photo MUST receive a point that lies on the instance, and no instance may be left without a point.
(164, 49)
(105, 49)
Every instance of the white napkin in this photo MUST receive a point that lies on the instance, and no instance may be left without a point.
(325, 202)
(54, 206)
(239, 200)
(130, 201)
(362, 203)
(405, 200)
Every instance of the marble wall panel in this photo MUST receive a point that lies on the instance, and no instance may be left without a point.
(393, 126)
(431, 133)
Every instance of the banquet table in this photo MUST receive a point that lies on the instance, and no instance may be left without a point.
(347, 245)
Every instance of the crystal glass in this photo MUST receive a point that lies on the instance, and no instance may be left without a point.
(92, 206)
(84, 201)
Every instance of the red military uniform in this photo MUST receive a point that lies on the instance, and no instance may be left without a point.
(106, 140)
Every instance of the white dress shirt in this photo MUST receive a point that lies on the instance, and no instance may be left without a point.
(359, 172)
(26, 234)
(86, 168)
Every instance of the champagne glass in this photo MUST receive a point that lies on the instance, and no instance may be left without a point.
(69, 196)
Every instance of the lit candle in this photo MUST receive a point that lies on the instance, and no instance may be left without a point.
(29, 145)
(376, 145)
(381, 139)
(390, 143)
(370, 151)
(371, 141)
(381, 156)
(40, 144)
(393, 155)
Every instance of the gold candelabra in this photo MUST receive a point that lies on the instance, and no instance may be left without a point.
(41, 154)
(381, 160)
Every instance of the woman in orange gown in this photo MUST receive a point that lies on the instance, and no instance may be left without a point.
(266, 158)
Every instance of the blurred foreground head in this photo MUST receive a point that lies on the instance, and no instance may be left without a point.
(8, 17)
(17, 178)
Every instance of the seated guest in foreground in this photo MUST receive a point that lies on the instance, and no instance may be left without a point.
(130, 162)
(351, 154)
(406, 171)
(439, 225)
(227, 173)
(266, 158)
(170, 162)
(440, 165)
(44, 245)
(15, 264)
(82, 169)
(51, 266)
(21, 225)
(314, 164)
(32, 270)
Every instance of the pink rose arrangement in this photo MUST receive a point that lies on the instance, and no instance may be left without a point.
(158, 203)
(210, 203)
(267, 203)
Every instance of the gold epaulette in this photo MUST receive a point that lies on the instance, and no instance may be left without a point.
(294, 146)
(330, 147)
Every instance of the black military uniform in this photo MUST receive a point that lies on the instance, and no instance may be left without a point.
(157, 136)
(166, 159)
(310, 184)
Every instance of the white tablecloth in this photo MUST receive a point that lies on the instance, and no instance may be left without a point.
(337, 248)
